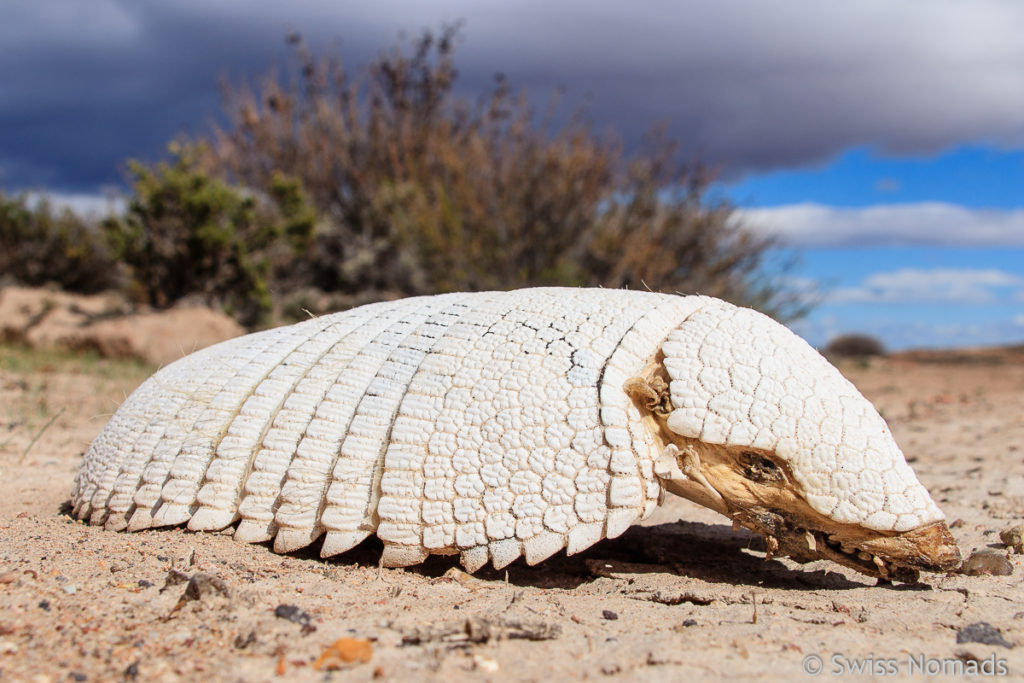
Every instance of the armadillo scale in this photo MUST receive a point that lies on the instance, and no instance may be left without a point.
(450, 423)
(492, 424)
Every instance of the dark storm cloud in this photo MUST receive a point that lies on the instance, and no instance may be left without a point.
(746, 84)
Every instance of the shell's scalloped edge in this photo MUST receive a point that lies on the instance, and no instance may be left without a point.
(499, 553)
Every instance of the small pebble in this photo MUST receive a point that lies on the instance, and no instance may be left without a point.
(242, 643)
(987, 561)
(174, 578)
(70, 589)
(609, 615)
(293, 614)
(485, 664)
(202, 586)
(1013, 538)
(984, 633)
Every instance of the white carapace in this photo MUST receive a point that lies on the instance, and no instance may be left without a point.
(499, 424)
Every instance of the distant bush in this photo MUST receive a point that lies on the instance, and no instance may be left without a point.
(854, 346)
(420, 191)
(40, 245)
(189, 234)
(326, 189)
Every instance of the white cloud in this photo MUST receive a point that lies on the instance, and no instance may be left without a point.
(917, 224)
(939, 285)
(1019, 320)
(83, 204)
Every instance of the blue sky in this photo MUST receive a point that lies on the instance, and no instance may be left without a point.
(882, 140)
(969, 175)
(918, 250)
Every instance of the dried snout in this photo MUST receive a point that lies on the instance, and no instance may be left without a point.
(758, 492)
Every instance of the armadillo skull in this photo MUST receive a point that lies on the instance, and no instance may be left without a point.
(501, 424)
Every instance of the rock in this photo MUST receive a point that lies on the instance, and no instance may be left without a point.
(47, 319)
(40, 316)
(174, 578)
(293, 614)
(984, 633)
(987, 561)
(1013, 538)
(485, 664)
(202, 586)
(158, 338)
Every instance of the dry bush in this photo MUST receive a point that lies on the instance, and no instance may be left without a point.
(189, 234)
(854, 346)
(40, 245)
(420, 191)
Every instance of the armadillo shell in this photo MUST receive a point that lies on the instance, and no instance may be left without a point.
(491, 424)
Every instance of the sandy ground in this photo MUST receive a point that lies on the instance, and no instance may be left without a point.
(668, 600)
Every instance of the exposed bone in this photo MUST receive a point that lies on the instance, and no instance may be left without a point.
(690, 465)
(679, 466)
(667, 465)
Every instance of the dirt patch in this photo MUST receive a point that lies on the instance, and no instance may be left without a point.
(667, 600)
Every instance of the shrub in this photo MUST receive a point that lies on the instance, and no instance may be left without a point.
(854, 346)
(187, 233)
(40, 245)
(420, 191)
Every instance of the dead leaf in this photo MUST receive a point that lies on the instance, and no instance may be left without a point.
(344, 651)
